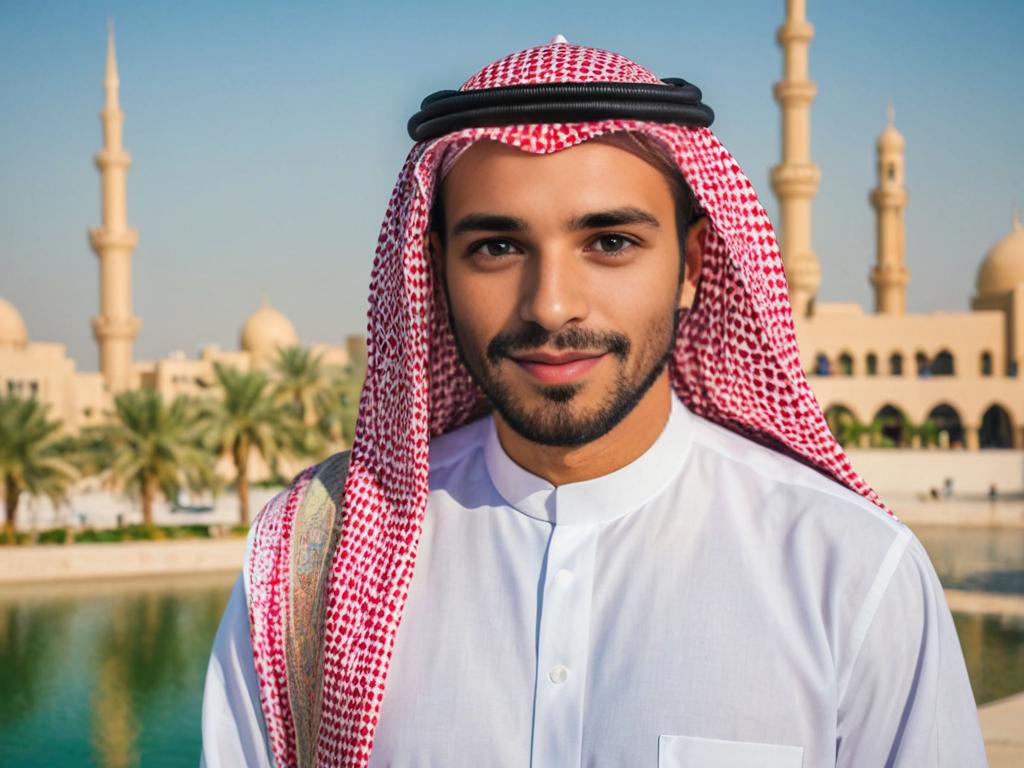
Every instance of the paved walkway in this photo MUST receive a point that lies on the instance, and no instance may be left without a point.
(963, 601)
(126, 559)
(1002, 722)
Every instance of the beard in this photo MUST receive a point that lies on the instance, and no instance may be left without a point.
(551, 418)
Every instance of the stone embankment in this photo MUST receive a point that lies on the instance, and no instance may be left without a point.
(78, 562)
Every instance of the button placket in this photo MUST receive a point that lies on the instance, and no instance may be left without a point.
(563, 646)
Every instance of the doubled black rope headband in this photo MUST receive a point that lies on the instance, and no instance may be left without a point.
(445, 111)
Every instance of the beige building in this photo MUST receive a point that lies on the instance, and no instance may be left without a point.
(44, 370)
(957, 370)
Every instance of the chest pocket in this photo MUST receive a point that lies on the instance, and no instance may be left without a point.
(698, 752)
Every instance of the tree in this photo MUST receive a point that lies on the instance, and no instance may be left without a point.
(300, 381)
(338, 405)
(153, 447)
(247, 417)
(32, 456)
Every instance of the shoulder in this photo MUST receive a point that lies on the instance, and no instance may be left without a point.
(309, 491)
(839, 550)
(329, 473)
(786, 489)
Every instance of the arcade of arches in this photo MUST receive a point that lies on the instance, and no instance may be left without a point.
(890, 426)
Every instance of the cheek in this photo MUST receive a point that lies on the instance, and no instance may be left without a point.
(480, 305)
(632, 298)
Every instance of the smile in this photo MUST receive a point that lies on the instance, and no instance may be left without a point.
(563, 368)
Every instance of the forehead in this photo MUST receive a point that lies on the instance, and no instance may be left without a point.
(493, 176)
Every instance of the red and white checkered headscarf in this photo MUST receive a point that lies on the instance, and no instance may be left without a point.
(736, 363)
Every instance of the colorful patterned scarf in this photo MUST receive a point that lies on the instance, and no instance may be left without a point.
(736, 363)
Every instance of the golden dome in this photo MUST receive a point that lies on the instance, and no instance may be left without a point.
(265, 331)
(1003, 267)
(12, 328)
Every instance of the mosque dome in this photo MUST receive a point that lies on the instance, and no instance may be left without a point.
(265, 331)
(1003, 267)
(890, 139)
(12, 328)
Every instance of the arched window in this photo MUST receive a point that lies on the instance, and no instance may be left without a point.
(945, 418)
(891, 171)
(996, 429)
(872, 364)
(942, 365)
(822, 367)
(921, 361)
(986, 363)
(896, 364)
(890, 428)
(846, 364)
(843, 424)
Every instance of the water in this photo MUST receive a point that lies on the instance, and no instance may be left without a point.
(106, 674)
(111, 673)
(976, 559)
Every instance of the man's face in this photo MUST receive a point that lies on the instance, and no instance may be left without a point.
(563, 279)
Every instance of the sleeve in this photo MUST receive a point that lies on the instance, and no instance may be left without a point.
(234, 733)
(905, 700)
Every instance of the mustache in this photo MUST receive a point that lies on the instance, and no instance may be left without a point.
(580, 339)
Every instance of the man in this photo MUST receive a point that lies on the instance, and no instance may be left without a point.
(593, 514)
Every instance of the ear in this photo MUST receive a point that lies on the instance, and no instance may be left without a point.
(694, 261)
(432, 247)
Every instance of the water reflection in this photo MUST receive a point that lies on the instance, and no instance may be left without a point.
(994, 651)
(106, 674)
(977, 559)
(29, 643)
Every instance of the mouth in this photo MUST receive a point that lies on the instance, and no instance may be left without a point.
(552, 368)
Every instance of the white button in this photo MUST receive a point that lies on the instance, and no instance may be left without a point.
(563, 577)
(558, 674)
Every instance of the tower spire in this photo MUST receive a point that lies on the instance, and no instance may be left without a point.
(110, 80)
(114, 241)
(795, 180)
(889, 199)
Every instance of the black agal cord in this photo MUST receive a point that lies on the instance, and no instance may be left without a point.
(677, 101)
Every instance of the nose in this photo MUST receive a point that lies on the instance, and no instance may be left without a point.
(553, 290)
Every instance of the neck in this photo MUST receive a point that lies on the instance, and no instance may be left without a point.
(615, 449)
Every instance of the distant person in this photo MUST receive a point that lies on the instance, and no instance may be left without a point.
(993, 494)
(947, 487)
(593, 513)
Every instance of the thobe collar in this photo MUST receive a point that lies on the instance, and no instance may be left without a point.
(600, 499)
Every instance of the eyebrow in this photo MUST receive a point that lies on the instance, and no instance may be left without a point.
(496, 222)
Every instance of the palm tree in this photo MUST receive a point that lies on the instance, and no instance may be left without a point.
(300, 380)
(33, 457)
(337, 406)
(153, 446)
(247, 417)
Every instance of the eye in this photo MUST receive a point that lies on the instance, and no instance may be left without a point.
(613, 243)
(494, 248)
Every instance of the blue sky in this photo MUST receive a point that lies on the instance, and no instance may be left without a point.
(267, 136)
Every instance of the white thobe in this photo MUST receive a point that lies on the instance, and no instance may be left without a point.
(712, 603)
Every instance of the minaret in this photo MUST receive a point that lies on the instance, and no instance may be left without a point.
(116, 327)
(889, 199)
(795, 179)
